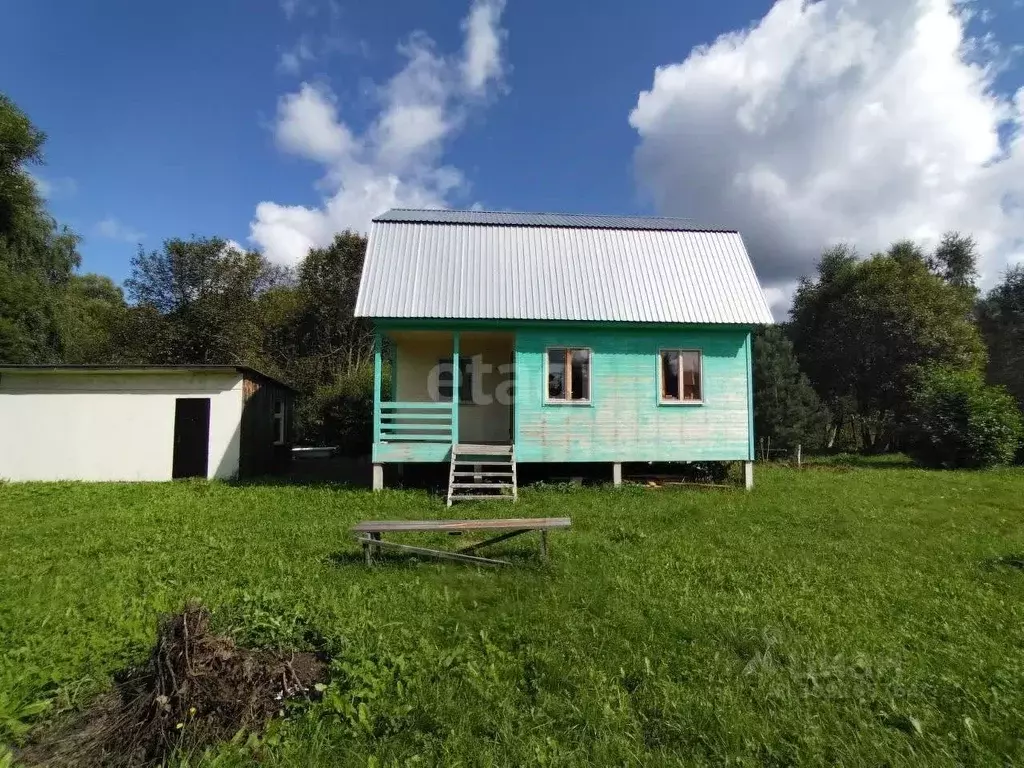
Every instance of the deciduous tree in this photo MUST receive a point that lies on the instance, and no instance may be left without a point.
(863, 326)
(197, 302)
(37, 257)
(1001, 317)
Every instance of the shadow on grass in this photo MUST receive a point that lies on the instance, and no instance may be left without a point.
(858, 461)
(355, 474)
(283, 481)
(1015, 561)
(519, 558)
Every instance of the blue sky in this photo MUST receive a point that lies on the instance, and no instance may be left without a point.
(167, 119)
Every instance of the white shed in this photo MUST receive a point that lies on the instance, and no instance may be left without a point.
(141, 422)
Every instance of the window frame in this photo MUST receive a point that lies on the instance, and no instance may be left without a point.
(660, 376)
(280, 420)
(568, 379)
(466, 376)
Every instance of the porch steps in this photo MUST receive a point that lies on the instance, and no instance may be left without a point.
(468, 480)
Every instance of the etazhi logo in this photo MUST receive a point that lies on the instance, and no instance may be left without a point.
(440, 382)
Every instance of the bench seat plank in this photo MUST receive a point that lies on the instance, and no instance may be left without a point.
(522, 523)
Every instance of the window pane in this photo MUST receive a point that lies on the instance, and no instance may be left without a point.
(669, 375)
(691, 376)
(444, 379)
(556, 374)
(580, 374)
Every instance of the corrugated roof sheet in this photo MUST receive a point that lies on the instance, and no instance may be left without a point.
(515, 219)
(431, 264)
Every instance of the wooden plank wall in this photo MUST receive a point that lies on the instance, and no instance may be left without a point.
(624, 421)
(259, 455)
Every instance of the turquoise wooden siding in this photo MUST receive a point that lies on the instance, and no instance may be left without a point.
(624, 420)
(386, 453)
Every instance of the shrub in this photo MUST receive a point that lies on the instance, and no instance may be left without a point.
(341, 413)
(957, 420)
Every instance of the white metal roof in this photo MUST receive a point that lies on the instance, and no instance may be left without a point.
(487, 265)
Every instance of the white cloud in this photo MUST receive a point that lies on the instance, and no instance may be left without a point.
(307, 125)
(482, 62)
(396, 161)
(289, 7)
(112, 229)
(292, 59)
(840, 120)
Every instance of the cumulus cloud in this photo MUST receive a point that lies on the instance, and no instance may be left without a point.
(307, 125)
(397, 160)
(863, 121)
(482, 62)
(112, 229)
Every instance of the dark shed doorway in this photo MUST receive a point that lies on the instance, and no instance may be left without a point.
(191, 437)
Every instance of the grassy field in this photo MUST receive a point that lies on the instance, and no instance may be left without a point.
(865, 616)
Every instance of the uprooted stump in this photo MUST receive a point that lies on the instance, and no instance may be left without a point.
(196, 688)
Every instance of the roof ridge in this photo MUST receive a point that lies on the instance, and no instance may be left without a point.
(536, 213)
(470, 218)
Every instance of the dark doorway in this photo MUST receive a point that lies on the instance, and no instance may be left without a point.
(191, 437)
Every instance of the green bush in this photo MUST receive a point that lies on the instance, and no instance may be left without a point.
(341, 413)
(957, 420)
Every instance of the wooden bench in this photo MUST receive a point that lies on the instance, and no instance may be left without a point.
(369, 532)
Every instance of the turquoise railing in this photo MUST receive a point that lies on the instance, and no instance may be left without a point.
(415, 423)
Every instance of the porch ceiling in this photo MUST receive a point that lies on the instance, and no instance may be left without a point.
(439, 337)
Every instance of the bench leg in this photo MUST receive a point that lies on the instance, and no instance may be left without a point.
(368, 548)
(544, 546)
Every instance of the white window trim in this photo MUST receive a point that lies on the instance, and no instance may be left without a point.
(567, 401)
(280, 421)
(700, 374)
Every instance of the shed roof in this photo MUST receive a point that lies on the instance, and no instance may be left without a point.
(544, 266)
(142, 369)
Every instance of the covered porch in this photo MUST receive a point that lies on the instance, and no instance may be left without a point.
(446, 387)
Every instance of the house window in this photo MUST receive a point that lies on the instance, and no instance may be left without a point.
(445, 382)
(680, 373)
(568, 375)
(279, 422)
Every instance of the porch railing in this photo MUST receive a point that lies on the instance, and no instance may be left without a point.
(415, 423)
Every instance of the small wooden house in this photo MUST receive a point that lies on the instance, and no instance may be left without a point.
(517, 337)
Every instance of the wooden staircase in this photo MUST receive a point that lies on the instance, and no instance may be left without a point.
(480, 472)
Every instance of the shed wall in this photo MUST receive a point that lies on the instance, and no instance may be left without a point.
(260, 455)
(624, 421)
(79, 426)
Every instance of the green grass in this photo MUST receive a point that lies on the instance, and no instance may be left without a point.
(856, 616)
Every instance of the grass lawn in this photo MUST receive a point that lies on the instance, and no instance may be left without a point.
(866, 616)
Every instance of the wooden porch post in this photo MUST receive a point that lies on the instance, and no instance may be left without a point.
(378, 470)
(456, 369)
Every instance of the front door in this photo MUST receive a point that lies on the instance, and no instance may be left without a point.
(191, 437)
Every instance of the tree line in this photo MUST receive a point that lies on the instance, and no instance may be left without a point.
(895, 351)
(194, 300)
